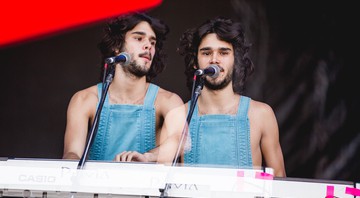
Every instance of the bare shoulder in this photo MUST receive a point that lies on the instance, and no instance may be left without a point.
(260, 109)
(169, 97)
(262, 117)
(85, 98)
(167, 100)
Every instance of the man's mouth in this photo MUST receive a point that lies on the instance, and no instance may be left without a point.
(145, 55)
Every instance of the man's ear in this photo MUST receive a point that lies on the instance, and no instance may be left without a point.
(195, 67)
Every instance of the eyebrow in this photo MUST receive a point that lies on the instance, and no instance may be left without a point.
(144, 34)
(221, 49)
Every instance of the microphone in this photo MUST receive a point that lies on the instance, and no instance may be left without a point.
(211, 71)
(123, 58)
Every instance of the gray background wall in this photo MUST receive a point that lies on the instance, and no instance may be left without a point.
(305, 54)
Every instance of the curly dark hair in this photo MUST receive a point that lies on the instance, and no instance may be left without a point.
(114, 38)
(226, 30)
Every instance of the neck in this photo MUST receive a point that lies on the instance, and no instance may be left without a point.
(222, 101)
(127, 89)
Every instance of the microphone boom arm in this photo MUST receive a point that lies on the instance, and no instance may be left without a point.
(196, 91)
(94, 126)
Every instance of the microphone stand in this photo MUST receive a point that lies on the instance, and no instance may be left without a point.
(94, 127)
(198, 84)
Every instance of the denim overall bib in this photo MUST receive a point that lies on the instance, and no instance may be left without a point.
(125, 127)
(220, 140)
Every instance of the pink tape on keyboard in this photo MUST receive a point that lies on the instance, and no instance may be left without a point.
(264, 176)
(352, 191)
(329, 191)
(240, 174)
(258, 175)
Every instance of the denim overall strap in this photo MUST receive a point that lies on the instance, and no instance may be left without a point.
(96, 150)
(190, 156)
(243, 131)
(149, 119)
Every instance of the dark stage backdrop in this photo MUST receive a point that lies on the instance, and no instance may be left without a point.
(305, 54)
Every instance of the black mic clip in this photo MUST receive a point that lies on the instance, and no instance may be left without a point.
(199, 84)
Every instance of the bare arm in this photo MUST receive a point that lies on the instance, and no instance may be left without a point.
(171, 135)
(270, 145)
(80, 110)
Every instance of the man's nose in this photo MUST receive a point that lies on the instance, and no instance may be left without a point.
(214, 59)
(147, 45)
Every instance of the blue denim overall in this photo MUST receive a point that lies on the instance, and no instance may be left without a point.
(221, 140)
(125, 127)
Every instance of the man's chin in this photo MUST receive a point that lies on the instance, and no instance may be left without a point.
(139, 73)
(216, 85)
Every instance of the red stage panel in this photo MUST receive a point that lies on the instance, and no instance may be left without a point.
(24, 19)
